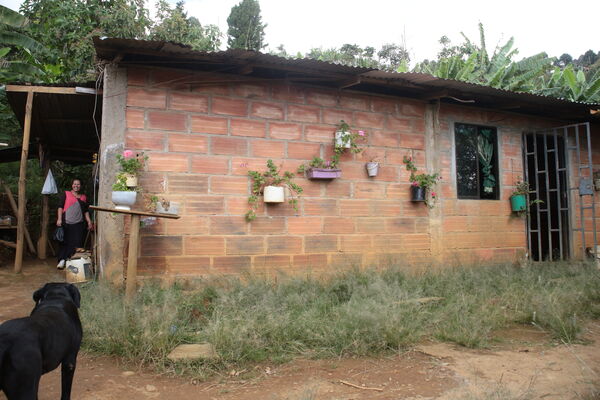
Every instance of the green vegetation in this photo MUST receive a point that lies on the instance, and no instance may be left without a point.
(246, 30)
(357, 312)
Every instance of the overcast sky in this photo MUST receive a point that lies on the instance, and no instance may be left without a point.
(556, 27)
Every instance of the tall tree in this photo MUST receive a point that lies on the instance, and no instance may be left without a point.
(173, 24)
(246, 30)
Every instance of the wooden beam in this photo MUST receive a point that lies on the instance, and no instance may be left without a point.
(9, 244)
(351, 82)
(15, 209)
(22, 184)
(40, 89)
(132, 258)
(43, 239)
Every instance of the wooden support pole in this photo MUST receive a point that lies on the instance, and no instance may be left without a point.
(9, 244)
(132, 258)
(15, 209)
(22, 185)
(43, 239)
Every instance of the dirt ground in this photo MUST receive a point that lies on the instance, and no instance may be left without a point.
(525, 364)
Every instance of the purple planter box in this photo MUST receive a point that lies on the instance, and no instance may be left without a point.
(323, 173)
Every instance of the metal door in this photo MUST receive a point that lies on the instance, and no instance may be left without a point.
(558, 167)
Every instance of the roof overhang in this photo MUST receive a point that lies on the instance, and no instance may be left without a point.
(254, 65)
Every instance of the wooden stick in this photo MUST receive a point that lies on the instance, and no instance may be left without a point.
(22, 184)
(13, 205)
(132, 258)
(43, 239)
(360, 387)
(9, 244)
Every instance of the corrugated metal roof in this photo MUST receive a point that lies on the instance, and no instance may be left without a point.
(414, 85)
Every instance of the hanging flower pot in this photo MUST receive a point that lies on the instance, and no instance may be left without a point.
(123, 199)
(372, 168)
(417, 193)
(131, 180)
(323, 173)
(343, 139)
(518, 202)
(273, 194)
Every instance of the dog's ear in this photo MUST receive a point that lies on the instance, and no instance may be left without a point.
(38, 294)
(74, 292)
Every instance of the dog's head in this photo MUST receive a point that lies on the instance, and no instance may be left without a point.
(57, 290)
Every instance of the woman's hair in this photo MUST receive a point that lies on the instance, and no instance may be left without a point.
(76, 179)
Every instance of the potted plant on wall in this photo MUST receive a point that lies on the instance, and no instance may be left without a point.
(372, 167)
(271, 184)
(422, 184)
(131, 164)
(122, 195)
(518, 199)
(321, 169)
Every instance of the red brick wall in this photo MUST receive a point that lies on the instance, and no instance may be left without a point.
(202, 139)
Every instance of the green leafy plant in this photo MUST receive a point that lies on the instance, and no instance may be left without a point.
(521, 188)
(318, 162)
(120, 184)
(130, 162)
(271, 177)
(425, 181)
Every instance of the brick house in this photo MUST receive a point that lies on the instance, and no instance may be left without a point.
(206, 119)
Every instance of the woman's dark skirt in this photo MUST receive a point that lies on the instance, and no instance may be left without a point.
(74, 235)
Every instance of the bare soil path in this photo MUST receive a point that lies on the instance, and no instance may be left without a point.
(525, 364)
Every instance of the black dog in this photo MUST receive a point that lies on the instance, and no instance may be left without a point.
(32, 346)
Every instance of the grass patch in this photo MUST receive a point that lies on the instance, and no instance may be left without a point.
(356, 312)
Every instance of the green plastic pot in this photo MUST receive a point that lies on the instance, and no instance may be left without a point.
(518, 202)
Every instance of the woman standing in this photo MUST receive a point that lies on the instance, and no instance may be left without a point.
(72, 210)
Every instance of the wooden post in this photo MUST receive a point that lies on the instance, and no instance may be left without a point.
(15, 209)
(43, 239)
(132, 258)
(22, 185)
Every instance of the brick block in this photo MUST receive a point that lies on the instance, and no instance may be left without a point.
(303, 113)
(338, 225)
(153, 182)
(196, 266)
(167, 121)
(229, 185)
(355, 243)
(145, 140)
(138, 97)
(400, 225)
(245, 245)
(285, 131)
(418, 126)
(455, 224)
(239, 206)
(419, 241)
(321, 207)
(229, 146)
(369, 190)
(135, 119)
(383, 105)
(241, 165)
(323, 134)
(338, 188)
(168, 162)
(385, 139)
(188, 102)
(385, 208)
(251, 91)
(188, 143)
(137, 77)
(204, 245)
(281, 210)
(355, 208)
(210, 165)
(369, 120)
(161, 245)
(267, 149)
(240, 127)
(410, 141)
(321, 97)
(220, 89)
(267, 226)
(355, 102)
(320, 244)
(411, 109)
(228, 225)
(312, 261)
(288, 93)
(310, 188)
(187, 184)
(370, 225)
(334, 116)
(304, 225)
(398, 191)
(187, 225)
(266, 110)
(346, 260)
(398, 124)
(284, 245)
(212, 125)
(148, 266)
(170, 78)
(205, 205)
(232, 265)
(227, 106)
(267, 263)
(303, 151)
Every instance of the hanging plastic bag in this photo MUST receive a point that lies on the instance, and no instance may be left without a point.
(59, 234)
(49, 184)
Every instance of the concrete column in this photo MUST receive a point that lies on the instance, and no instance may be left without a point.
(110, 241)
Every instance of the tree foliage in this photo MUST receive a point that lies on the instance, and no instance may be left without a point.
(246, 30)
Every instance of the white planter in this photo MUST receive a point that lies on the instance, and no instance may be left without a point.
(131, 180)
(123, 200)
(274, 194)
(171, 208)
(342, 139)
(372, 168)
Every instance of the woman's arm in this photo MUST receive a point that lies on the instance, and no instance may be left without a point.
(88, 219)
(59, 216)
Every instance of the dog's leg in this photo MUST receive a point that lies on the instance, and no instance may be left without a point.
(67, 370)
(23, 384)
